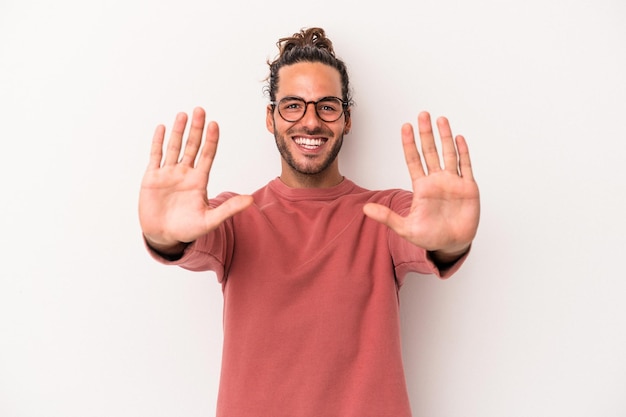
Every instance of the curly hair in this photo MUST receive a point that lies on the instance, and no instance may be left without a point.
(308, 45)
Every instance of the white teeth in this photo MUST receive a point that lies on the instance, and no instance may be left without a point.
(309, 142)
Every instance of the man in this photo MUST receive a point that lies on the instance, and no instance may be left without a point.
(310, 264)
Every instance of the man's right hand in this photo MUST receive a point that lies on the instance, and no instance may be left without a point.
(173, 204)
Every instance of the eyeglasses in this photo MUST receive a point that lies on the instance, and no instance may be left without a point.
(293, 109)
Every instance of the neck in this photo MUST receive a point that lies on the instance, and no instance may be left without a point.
(295, 179)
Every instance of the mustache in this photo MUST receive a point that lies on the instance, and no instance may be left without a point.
(318, 131)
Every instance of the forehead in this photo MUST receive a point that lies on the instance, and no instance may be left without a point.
(309, 80)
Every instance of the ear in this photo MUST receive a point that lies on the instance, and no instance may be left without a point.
(269, 118)
(348, 124)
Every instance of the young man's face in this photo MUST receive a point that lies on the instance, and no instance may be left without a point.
(309, 146)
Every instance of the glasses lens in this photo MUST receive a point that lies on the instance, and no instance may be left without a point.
(329, 109)
(291, 108)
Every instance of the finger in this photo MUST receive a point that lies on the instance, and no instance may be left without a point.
(411, 155)
(195, 137)
(207, 155)
(448, 150)
(427, 138)
(465, 163)
(384, 215)
(156, 151)
(176, 138)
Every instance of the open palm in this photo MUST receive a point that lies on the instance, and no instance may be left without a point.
(445, 209)
(173, 203)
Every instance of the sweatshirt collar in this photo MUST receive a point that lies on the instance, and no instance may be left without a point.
(294, 194)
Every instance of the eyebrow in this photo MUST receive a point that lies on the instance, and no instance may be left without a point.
(303, 99)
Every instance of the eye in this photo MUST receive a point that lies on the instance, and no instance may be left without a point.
(329, 106)
(291, 105)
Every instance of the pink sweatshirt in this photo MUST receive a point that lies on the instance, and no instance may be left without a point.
(311, 314)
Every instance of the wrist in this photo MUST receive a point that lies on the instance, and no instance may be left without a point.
(446, 257)
(169, 249)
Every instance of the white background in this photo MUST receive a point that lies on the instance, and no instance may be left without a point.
(533, 325)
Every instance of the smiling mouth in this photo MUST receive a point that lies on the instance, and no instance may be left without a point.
(309, 143)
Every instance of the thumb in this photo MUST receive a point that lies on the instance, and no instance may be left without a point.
(228, 208)
(384, 215)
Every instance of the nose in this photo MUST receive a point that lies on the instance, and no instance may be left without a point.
(310, 117)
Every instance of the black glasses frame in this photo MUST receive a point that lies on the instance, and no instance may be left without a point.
(344, 106)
